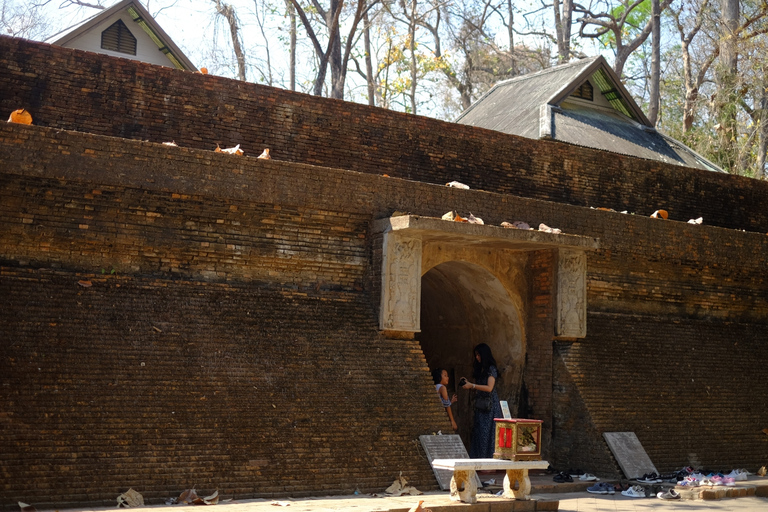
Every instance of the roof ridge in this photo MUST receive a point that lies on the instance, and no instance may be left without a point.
(579, 62)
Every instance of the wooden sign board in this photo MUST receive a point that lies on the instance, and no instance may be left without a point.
(445, 447)
(630, 454)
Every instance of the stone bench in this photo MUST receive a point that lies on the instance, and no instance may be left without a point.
(517, 485)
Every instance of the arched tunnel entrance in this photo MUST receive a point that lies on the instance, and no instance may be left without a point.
(463, 304)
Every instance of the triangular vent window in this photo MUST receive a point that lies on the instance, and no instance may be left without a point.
(118, 38)
(584, 92)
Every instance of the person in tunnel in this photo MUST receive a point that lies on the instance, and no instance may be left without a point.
(440, 376)
(487, 406)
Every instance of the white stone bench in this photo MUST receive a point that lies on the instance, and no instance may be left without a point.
(517, 485)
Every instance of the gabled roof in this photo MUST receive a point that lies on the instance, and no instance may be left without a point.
(141, 17)
(542, 105)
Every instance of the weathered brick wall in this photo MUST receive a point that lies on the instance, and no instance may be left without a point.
(87, 92)
(537, 376)
(688, 388)
(224, 342)
(251, 262)
(181, 298)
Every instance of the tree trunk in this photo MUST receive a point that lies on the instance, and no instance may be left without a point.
(228, 12)
(368, 60)
(726, 84)
(762, 141)
(511, 35)
(653, 102)
(334, 58)
(563, 22)
(412, 48)
(292, 30)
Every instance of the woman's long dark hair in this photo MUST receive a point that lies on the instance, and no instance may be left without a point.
(486, 360)
(437, 375)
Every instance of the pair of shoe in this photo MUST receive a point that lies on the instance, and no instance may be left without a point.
(738, 474)
(601, 488)
(650, 478)
(562, 478)
(688, 481)
(588, 477)
(636, 491)
(675, 477)
(720, 479)
(671, 494)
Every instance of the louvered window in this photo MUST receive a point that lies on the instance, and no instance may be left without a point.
(584, 91)
(118, 38)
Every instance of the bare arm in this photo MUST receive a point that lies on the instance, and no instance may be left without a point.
(478, 387)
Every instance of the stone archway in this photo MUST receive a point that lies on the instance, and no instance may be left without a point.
(542, 275)
(463, 304)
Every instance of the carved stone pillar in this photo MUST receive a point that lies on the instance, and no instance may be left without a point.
(400, 283)
(571, 294)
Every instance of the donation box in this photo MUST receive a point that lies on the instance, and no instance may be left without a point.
(517, 439)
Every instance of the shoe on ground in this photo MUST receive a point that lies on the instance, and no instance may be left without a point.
(650, 478)
(588, 477)
(601, 488)
(668, 495)
(688, 481)
(636, 491)
(738, 474)
(562, 478)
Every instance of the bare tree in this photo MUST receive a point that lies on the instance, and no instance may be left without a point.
(563, 23)
(693, 79)
(595, 23)
(333, 55)
(292, 43)
(654, 99)
(228, 13)
(368, 76)
(22, 20)
(261, 21)
(98, 4)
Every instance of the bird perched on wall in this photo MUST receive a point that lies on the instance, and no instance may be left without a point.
(264, 155)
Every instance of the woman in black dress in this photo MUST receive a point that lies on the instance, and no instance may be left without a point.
(486, 403)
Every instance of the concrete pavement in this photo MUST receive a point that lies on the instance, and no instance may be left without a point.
(574, 499)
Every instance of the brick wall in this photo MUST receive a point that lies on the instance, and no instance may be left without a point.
(163, 385)
(537, 376)
(82, 91)
(687, 388)
(248, 269)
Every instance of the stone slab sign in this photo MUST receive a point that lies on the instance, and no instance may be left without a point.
(445, 447)
(630, 454)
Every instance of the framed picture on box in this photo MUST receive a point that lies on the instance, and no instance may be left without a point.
(517, 439)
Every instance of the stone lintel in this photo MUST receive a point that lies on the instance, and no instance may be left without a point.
(405, 236)
(431, 229)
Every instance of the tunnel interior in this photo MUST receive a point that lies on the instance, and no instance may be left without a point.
(462, 305)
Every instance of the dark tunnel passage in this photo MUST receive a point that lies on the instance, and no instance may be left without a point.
(463, 304)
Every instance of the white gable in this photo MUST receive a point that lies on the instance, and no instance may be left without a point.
(153, 45)
(146, 49)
